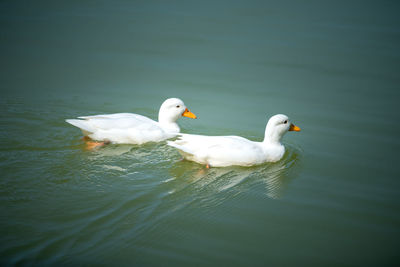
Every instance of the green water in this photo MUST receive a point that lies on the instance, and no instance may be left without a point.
(332, 67)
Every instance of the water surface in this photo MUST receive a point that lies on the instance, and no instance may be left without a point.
(331, 67)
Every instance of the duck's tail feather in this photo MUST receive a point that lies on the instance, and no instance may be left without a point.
(180, 147)
(81, 124)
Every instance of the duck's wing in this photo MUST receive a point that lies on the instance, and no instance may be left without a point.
(197, 142)
(121, 128)
(220, 150)
(113, 121)
(114, 116)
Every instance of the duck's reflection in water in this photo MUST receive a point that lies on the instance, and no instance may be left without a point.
(274, 176)
(124, 157)
(111, 150)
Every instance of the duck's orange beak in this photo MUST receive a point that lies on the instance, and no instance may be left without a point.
(188, 114)
(294, 128)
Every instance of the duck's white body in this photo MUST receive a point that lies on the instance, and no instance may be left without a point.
(129, 128)
(222, 151)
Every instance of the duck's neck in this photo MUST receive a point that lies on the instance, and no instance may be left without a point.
(272, 137)
(168, 124)
(272, 146)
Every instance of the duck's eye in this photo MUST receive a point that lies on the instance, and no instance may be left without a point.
(285, 122)
(178, 106)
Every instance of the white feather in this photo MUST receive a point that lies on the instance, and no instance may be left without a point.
(129, 128)
(221, 151)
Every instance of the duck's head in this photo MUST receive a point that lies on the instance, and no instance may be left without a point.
(277, 126)
(172, 109)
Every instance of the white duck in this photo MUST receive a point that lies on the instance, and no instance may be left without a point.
(222, 151)
(129, 128)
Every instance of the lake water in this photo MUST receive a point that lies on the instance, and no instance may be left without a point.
(332, 67)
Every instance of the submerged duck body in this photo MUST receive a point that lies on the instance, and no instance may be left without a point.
(130, 128)
(222, 151)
